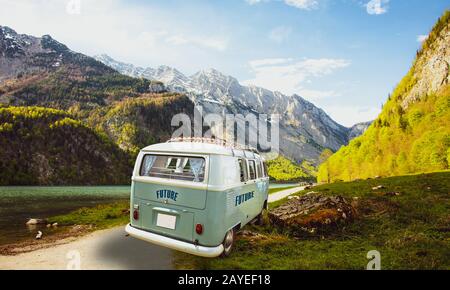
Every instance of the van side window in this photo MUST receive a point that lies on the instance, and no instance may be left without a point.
(243, 170)
(266, 173)
(259, 169)
(251, 165)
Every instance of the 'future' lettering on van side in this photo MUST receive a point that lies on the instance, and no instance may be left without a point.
(244, 197)
(165, 193)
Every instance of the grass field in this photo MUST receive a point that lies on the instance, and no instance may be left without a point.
(411, 231)
(100, 217)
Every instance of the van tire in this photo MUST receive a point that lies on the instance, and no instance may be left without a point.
(260, 218)
(228, 243)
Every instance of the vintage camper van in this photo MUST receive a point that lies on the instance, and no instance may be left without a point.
(192, 195)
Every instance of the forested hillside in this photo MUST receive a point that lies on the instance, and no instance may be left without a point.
(282, 169)
(134, 123)
(69, 119)
(412, 134)
(42, 146)
(71, 86)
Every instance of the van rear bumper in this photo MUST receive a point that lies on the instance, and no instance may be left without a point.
(208, 252)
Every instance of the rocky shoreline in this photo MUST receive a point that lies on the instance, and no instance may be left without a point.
(64, 235)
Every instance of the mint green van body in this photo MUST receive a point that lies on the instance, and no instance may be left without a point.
(190, 196)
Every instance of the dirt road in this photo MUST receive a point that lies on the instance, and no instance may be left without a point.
(284, 193)
(105, 249)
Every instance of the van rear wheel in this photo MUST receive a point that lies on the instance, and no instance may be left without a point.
(259, 221)
(228, 243)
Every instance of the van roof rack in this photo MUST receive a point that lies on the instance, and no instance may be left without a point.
(213, 140)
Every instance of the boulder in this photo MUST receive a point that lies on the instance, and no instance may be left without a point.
(392, 193)
(312, 213)
(36, 221)
(39, 235)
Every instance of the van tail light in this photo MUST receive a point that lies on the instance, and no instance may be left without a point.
(199, 229)
(136, 212)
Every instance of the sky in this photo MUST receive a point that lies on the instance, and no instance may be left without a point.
(345, 56)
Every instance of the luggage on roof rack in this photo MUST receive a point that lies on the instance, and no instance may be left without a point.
(217, 141)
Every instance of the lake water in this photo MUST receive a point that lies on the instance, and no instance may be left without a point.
(19, 203)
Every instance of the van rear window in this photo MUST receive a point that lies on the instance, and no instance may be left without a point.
(174, 167)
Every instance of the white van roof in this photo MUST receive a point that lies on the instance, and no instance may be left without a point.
(198, 148)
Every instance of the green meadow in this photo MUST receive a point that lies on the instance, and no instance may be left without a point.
(411, 231)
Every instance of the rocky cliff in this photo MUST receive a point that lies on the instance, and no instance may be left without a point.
(412, 133)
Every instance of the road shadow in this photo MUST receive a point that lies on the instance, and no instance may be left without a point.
(133, 254)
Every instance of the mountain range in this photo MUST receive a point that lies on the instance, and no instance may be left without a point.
(305, 130)
(113, 109)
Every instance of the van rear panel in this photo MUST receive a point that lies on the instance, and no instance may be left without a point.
(169, 194)
(168, 210)
(166, 220)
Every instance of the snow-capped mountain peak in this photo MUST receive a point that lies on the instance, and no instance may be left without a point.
(22, 54)
(167, 74)
(305, 130)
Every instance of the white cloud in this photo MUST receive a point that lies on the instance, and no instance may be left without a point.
(216, 43)
(303, 4)
(421, 38)
(315, 95)
(351, 114)
(268, 61)
(300, 4)
(253, 2)
(287, 75)
(280, 34)
(377, 7)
